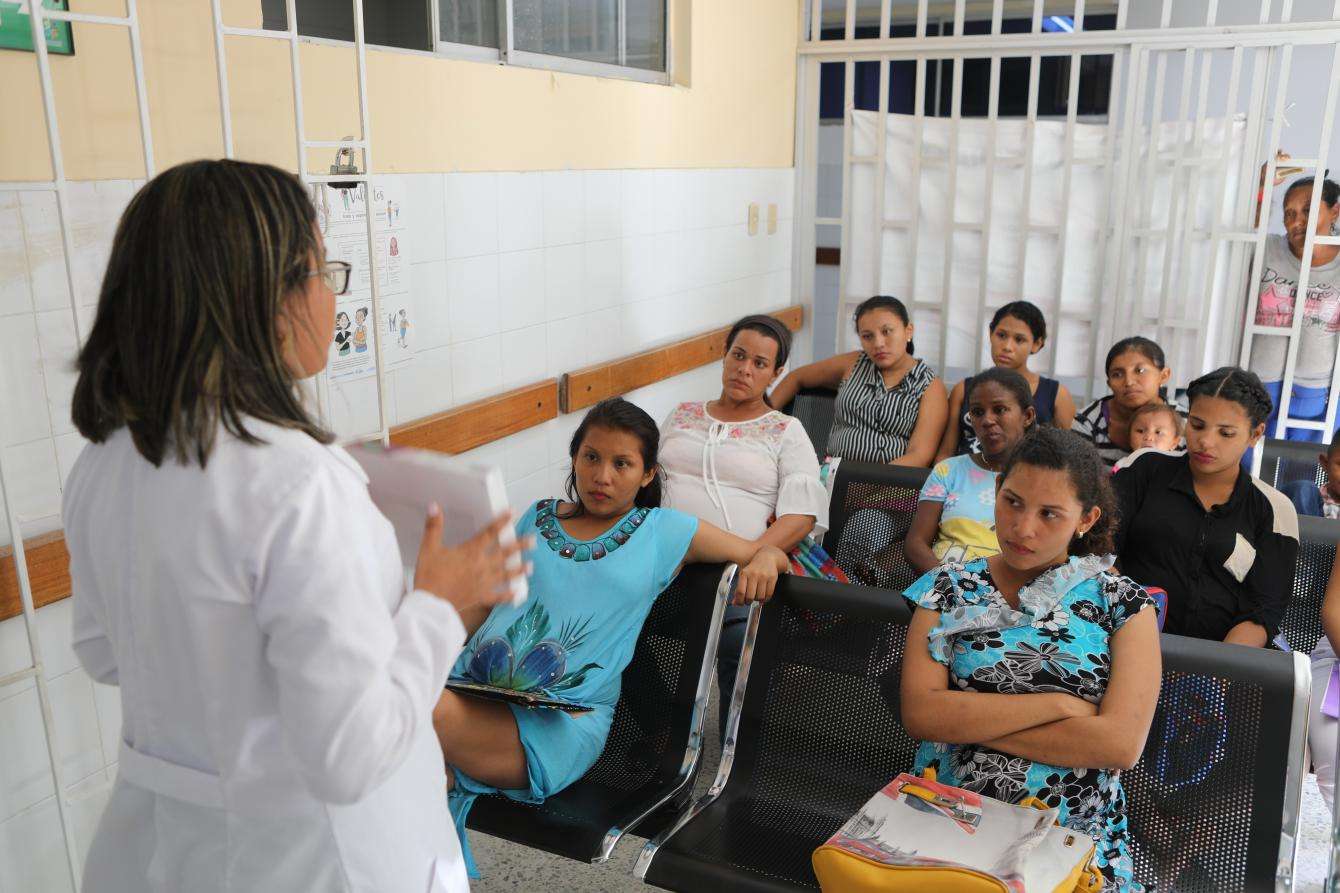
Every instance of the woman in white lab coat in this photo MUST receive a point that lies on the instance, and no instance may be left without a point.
(233, 577)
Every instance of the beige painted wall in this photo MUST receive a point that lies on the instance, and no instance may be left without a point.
(428, 113)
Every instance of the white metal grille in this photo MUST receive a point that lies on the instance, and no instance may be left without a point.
(59, 185)
(1163, 254)
(364, 180)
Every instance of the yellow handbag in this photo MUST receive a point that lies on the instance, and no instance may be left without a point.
(919, 835)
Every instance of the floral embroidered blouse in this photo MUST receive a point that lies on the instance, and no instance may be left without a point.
(1057, 641)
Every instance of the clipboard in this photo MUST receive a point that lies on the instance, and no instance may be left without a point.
(528, 699)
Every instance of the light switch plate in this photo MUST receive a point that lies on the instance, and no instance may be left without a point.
(753, 218)
(772, 218)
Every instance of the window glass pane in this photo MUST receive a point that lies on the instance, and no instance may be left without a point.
(645, 34)
(473, 22)
(389, 23)
(589, 30)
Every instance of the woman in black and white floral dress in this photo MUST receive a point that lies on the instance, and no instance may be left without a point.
(1036, 672)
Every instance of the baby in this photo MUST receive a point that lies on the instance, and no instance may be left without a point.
(1156, 425)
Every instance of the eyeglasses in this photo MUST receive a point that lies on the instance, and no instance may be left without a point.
(336, 273)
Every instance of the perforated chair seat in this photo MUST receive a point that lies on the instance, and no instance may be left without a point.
(1290, 460)
(1317, 538)
(816, 738)
(1230, 822)
(819, 732)
(814, 408)
(651, 756)
(869, 515)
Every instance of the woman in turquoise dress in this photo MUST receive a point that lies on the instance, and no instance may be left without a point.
(1036, 672)
(603, 556)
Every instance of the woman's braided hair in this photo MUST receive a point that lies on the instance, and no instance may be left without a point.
(1238, 385)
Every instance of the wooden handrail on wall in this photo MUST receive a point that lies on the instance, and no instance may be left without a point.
(465, 427)
(48, 571)
(454, 431)
(457, 430)
(587, 387)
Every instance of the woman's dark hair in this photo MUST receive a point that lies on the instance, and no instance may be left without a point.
(1235, 384)
(1330, 190)
(617, 414)
(1027, 313)
(769, 328)
(884, 302)
(1058, 450)
(1140, 345)
(187, 336)
(1008, 379)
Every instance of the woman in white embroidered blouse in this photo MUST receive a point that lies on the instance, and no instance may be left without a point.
(740, 464)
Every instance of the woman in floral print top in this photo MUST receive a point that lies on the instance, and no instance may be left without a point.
(1036, 672)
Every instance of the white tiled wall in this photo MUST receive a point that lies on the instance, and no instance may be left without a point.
(519, 276)
(515, 277)
(87, 720)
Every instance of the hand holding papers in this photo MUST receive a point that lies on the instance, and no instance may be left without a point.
(403, 484)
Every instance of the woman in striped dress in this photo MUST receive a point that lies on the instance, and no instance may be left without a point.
(890, 406)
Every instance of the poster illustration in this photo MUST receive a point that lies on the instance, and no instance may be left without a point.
(341, 214)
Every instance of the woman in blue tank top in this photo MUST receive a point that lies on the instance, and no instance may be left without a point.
(1018, 330)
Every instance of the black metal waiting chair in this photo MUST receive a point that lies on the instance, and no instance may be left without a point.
(1317, 539)
(815, 730)
(869, 514)
(1234, 825)
(1291, 460)
(809, 739)
(645, 773)
(814, 408)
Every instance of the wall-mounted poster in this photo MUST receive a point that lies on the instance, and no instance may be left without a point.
(16, 30)
(342, 218)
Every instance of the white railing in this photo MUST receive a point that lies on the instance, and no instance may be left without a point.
(362, 144)
(38, 16)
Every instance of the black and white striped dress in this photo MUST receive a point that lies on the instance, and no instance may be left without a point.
(872, 423)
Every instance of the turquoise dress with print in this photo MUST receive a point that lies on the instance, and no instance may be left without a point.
(1056, 641)
(571, 639)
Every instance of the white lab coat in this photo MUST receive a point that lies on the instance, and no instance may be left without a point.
(276, 680)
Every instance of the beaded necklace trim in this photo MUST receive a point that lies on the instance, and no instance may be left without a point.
(547, 522)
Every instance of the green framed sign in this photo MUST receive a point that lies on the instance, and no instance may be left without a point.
(16, 30)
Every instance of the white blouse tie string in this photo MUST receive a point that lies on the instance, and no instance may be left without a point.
(717, 432)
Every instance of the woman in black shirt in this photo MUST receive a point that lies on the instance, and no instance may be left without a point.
(1221, 543)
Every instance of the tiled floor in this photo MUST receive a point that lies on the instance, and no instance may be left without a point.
(1313, 840)
(507, 866)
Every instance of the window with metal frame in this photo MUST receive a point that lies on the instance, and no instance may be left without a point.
(606, 38)
(627, 33)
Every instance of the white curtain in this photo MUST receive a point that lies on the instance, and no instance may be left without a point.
(1086, 306)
